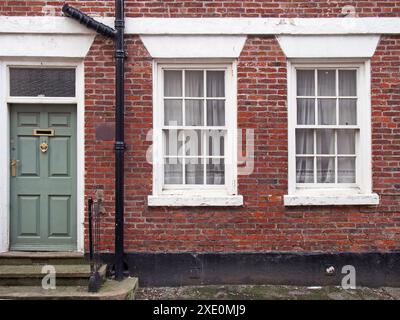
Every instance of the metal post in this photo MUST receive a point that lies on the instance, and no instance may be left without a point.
(119, 140)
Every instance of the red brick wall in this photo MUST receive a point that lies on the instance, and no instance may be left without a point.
(212, 8)
(263, 224)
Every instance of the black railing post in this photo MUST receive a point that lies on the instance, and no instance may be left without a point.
(90, 214)
(119, 139)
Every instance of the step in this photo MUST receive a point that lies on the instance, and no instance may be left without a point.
(31, 275)
(53, 258)
(111, 290)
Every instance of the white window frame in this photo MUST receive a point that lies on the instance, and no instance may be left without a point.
(201, 195)
(359, 193)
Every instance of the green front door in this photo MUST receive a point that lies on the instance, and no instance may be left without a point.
(43, 177)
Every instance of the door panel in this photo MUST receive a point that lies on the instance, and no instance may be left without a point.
(29, 215)
(28, 156)
(59, 151)
(59, 209)
(43, 191)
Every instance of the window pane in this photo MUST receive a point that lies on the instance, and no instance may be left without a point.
(194, 112)
(347, 83)
(215, 112)
(325, 141)
(172, 83)
(304, 170)
(347, 111)
(305, 82)
(173, 173)
(193, 142)
(194, 171)
(173, 141)
(33, 82)
(215, 142)
(172, 112)
(346, 142)
(326, 82)
(304, 141)
(326, 170)
(194, 84)
(346, 170)
(327, 111)
(215, 83)
(215, 171)
(305, 111)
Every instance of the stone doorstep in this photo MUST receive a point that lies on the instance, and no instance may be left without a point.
(35, 271)
(110, 290)
(46, 255)
(55, 258)
(31, 275)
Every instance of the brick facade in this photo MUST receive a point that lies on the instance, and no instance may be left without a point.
(263, 224)
(209, 8)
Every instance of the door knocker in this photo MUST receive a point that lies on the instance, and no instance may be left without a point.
(44, 146)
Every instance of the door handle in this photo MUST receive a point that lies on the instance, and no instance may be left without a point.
(14, 167)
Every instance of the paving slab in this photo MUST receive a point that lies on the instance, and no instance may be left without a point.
(111, 290)
(263, 292)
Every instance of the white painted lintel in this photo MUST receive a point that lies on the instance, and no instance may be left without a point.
(215, 26)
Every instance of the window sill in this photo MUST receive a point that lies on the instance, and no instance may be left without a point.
(194, 201)
(331, 200)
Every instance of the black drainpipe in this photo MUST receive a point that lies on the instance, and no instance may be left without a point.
(118, 35)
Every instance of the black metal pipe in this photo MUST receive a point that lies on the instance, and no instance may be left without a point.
(118, 35)
(119, 139)
(88, 21)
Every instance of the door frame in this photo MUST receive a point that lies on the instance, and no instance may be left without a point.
(5, 102)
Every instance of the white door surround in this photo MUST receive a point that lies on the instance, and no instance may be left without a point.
(5, 101)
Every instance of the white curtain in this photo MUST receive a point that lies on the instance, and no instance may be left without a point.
(346, 141)
(194, 112)
(327, 111)
(347, 83)
(346, 170)
(325, 165)
(326, 82)
(215, 83)
(305, 83)
(172, 83)
(325, 169)
(346, 165)
(304, 169)
(172, 112)
(173, 88)
(195, 162)
(215, 117)
(305, 165)
(305, 111)
(194, 84)
(325, 138)
(173, 171)
(347, 111)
